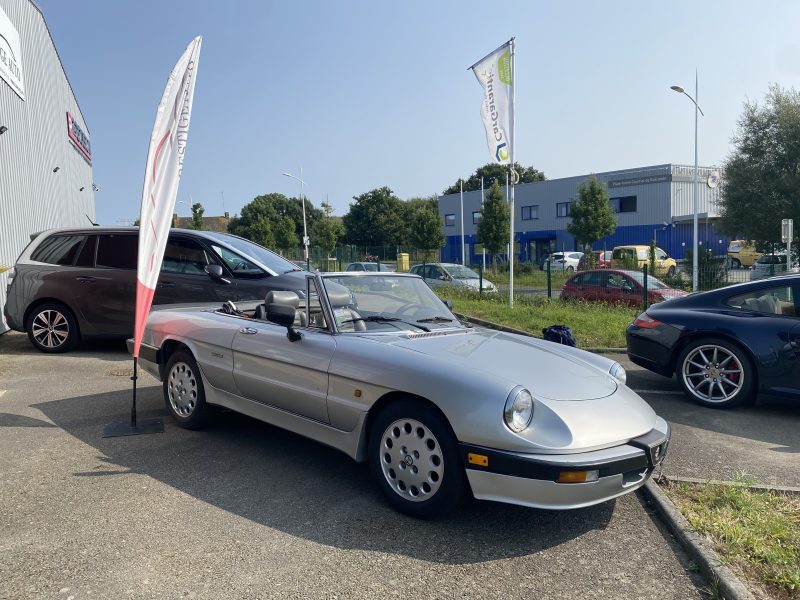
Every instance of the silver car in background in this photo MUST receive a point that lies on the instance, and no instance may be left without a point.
(562, 261)
(771, 264)
(452, 275)
(384, 372)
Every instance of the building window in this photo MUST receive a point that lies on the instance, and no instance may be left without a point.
(562, 209)
(530, 212)
(449, 220)
(476, 216)
(623, 204)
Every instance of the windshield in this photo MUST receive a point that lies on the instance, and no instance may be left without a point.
(652, 282)
(459, 272)
(381, 303)
(269, 259)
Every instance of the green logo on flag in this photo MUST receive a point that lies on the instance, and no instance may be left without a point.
(504, 67)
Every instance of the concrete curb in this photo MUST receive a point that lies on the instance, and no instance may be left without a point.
(712, 568)
(498, 327)
(780, 489)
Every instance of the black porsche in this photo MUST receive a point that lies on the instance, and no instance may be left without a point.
(726, 346)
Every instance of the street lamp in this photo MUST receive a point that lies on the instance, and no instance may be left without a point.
(697, 108)
(303, 202)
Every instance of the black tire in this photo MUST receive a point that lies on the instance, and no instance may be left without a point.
(736, 263)
(52, 328)
(570, 269)
(436, 450)
(716, 373)
(671, 272)
(184, 393)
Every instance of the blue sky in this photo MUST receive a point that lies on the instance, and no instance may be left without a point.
(366, 94)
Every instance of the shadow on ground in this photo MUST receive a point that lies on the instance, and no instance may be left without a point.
(294, 485)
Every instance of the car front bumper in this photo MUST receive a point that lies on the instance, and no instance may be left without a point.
(531, 479)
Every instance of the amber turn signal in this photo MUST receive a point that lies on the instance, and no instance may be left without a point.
(577, 476)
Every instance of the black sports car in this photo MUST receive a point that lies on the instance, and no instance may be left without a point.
(728, 345)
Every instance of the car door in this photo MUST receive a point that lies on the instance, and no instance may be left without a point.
(107, 295)
(292, 376)
(183, 277)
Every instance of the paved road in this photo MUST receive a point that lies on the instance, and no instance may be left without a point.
(760, 440)
(245, 510)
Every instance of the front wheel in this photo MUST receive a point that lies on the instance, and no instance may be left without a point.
(570, 269)
(184, 394)
(414, 459)
(716, 373)
(736, 263)
(671, 272)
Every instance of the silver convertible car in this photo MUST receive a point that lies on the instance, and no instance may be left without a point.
(377, 366)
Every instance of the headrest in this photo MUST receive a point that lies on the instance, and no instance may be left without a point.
(338, 295)
(282, 297)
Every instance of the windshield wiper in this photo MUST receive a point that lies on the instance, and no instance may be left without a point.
(436, 319)
(382, 319)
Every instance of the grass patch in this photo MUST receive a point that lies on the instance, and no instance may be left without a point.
(532, 278)
(756, 532)
(594, 324)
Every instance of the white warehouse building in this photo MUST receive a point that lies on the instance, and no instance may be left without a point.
(45, 154)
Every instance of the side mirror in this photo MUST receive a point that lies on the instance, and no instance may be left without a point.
(627, 288)
(449, 304)
(215, 272)
(283, 315)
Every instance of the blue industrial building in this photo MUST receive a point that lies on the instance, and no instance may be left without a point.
(648, 201)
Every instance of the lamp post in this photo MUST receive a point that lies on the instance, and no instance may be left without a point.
(303, 202)
(697, 109)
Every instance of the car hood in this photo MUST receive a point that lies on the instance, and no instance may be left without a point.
(538, 365)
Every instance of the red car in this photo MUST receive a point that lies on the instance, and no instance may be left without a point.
(602, 260)
(617, 286)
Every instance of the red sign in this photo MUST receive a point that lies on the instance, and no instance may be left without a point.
(80, 139)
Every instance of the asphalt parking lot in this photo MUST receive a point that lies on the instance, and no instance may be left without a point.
(245, 510)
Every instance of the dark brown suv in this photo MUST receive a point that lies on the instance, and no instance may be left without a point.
(70, 284)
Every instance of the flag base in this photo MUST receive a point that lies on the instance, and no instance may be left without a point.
(125, 428)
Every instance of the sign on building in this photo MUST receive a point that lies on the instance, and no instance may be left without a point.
(11, 56)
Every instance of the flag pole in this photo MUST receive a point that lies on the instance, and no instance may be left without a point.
(482, 244)
(511, 200)
(463, 250)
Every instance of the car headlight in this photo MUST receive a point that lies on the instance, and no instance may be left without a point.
(519, 410)
(618, 372)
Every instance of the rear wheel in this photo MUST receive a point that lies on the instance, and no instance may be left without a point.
(716, 373)
(52, 328)
(184, 394)
(570, 269)
(413, 457)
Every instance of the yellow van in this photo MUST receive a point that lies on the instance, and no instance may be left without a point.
(624, 256)
(743, 254)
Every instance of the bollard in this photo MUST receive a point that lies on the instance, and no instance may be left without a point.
(644, 287)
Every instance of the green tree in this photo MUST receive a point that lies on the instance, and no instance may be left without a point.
(259, 232)
(425, 223)
(327, 230)
(278, 212)
(493, 172)
(761, 176)
(197, 216)
(591, 217)
(376, 218)
(493, 228)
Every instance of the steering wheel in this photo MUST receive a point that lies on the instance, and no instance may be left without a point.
(408, 305)
(240, 265)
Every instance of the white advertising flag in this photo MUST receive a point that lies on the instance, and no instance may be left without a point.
(495, 75)
(162, 175)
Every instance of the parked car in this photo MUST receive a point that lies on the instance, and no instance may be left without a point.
(368, 266)
(742, 253)
(390, 376)
(728, 345)
(623, 257)
(562, 261)
(70, 284)
(450, 274)
(617, 286)
(602, 260)
(769, 265)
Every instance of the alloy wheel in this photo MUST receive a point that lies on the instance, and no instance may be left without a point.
(182, 389)
(50, 328)
(411, 460)
(713, 373)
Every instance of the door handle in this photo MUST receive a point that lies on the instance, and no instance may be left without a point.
(248, 330)
(166, 285)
